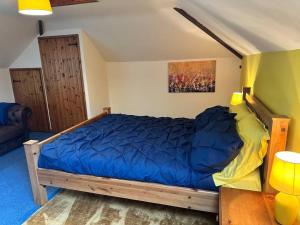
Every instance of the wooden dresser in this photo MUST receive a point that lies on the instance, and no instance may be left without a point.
(240, 207)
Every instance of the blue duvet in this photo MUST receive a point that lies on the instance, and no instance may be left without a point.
(129, 147)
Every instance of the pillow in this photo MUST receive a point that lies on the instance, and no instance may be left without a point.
(214, 147)
(214, 113)
(251, 182)
(222, 124)
(241, 110)
(212, 110)
(4, 107)
(255, 138)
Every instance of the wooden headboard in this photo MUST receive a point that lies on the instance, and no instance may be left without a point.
(277, 126)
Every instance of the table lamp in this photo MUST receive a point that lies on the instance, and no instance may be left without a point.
(285, 177)
(237, 98)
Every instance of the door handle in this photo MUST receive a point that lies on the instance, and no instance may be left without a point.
(73, 44)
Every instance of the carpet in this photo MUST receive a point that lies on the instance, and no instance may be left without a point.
(78, 208)
(16, 202)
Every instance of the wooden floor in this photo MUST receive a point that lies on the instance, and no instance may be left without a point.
(72, 208)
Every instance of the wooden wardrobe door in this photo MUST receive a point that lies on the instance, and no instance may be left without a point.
(28, 90)
(63, 79)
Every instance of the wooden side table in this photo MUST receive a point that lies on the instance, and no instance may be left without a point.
(240, 207)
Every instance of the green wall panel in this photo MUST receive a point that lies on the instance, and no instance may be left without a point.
(275, 78)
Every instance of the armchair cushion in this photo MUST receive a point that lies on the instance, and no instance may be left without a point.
(18, 115)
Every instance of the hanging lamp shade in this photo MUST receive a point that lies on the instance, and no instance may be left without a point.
(35, 7)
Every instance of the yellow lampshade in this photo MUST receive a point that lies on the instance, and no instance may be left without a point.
(35, 7)
(237, 98)
(285, 174)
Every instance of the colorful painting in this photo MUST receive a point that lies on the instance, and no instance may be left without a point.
(195, 76)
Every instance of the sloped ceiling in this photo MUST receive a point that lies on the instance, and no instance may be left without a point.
(251, 26)
(16, 32)
(137, 30)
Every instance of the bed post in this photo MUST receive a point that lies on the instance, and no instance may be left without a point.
(246, 90)
(32, 150)
(279, 133)
(107, 110)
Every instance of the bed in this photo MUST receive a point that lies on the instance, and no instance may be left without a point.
(139, 148)
(95, 171)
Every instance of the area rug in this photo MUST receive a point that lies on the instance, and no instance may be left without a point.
(78, 208)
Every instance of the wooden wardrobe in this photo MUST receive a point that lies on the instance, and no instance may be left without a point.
(28, 90)
(63, 81)
(62, 72)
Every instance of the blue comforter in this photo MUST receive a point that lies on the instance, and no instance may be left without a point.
(129, 147)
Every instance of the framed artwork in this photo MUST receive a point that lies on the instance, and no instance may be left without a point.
(194, 76)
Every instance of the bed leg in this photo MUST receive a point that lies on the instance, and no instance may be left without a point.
(32, 150)
(107, 110)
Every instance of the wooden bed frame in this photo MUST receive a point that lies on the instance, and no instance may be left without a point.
(148, 192)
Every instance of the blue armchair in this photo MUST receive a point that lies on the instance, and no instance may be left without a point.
(15, 132)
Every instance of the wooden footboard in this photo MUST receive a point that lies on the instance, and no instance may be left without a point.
(141, 191)
(32, 151)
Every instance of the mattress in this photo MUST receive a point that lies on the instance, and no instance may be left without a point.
(128, 147)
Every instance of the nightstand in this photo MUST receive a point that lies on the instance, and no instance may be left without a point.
(240, 207)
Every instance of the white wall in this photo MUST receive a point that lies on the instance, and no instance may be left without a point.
(93, 68)
(141, 88)
(6, 91)
(30, 57)
(96, 77)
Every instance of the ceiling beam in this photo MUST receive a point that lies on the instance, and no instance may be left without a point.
(56, 3)
(208, 32)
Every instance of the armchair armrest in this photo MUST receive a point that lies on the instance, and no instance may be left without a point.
(19, 115)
